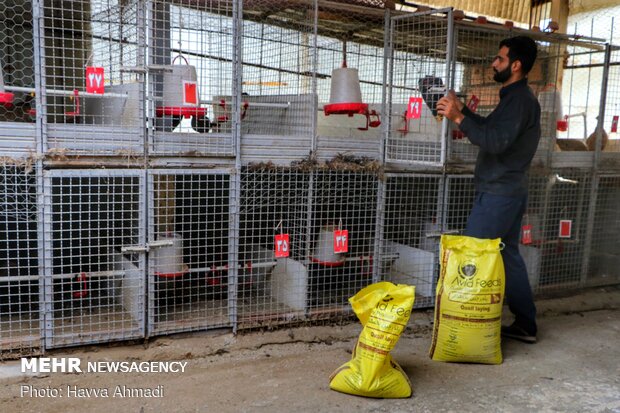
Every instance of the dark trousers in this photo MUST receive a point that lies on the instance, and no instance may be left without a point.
(497, 216)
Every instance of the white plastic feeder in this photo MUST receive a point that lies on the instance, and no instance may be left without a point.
(345, 96)
(168, 260)
(323, 252)
(175, 80)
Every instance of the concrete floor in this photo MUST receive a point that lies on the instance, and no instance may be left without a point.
(575, 367)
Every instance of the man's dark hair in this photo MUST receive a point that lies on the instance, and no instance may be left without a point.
(523, 49)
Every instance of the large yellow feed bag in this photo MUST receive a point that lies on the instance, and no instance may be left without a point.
(384, 310)
(469, 297)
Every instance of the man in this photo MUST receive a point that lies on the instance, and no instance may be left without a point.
(507, 138)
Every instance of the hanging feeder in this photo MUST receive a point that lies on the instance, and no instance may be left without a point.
(345, 96)
(181, 96)
(168, 260)
(323, 252)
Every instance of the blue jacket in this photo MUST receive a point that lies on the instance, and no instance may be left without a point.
(508, 138)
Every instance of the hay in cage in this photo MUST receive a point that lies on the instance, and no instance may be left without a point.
(340, 162)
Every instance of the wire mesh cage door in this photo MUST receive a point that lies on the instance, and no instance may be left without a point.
(191, 86)
(412, 227)
(189, 287)
(92, 82)
(350, 48)
(273, 275)
(459, 197)
(585, 75)
(95, 230)
(610, 158)
(20, 278)
(565, 207)
(604, 256)
(17, 78)
(342, 235)
(419, 62)
(475, 48)
(278, 100)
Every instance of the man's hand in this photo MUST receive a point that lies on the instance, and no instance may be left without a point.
(450, 107)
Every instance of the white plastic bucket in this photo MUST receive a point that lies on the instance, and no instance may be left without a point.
(174, 78)
(345, 86)
(168, 260)
(323, 252)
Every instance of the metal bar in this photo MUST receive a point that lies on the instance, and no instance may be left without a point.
(143, 236)
(148, 235)
(592, 65)
(448, 75)
(57, 92)
(250, 104)
(44, 263)
(601, 110)
(308, 226)
(389, 63)
(315, 68)
(381, 189)
(142, 17)
(97, 274)
(594, 189)
(13, 278)
(423, 13)
(235, 193)
(587, 248)
(48, 299)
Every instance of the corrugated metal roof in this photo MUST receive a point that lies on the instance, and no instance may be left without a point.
(517, 10)
(579, 6)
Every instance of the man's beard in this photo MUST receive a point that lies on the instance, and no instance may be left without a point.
(502, 76)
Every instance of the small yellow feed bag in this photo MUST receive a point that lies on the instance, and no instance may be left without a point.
(384, 310)
(469, 297)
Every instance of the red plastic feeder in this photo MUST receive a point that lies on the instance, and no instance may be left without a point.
(76, 103)
(346, 97)
(171, 274)
(181, 111)
(6, 99)
(345, 109)
(562, 125)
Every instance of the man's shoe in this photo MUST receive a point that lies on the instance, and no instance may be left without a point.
(515, 332)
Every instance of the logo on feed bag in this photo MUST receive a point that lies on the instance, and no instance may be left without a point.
(467, 269)
(387, 298)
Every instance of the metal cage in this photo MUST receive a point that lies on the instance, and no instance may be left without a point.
(411, 230)
(20, 262)
(604, 257)
(344, 203)
(273, 244)
(430, 54)
(182, 165)
(189, 275)
(94, 285)
(191, 70)
(17, 79)
(92, 83)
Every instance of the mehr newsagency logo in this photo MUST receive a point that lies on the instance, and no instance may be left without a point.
(76, 366)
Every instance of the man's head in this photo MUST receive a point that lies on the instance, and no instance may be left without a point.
(514, 60)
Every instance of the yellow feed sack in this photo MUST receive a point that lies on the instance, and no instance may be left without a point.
(383, 309)
(468, 308)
